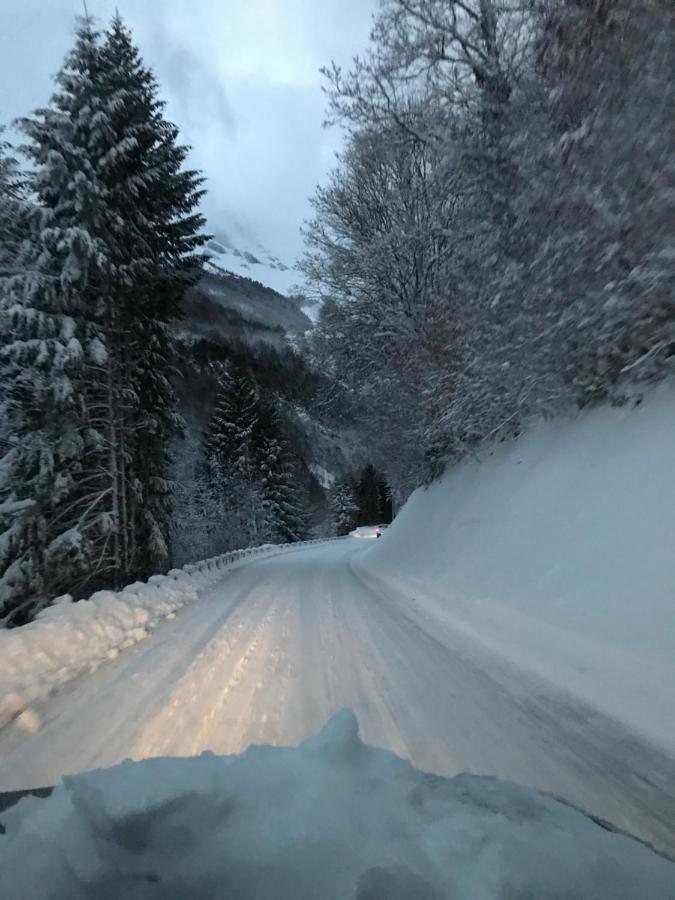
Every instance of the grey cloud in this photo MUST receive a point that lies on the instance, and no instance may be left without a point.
(196, 89)
(241, 81)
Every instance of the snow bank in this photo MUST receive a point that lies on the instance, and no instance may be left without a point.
(333, 819)
(68, 638)
(558, 550)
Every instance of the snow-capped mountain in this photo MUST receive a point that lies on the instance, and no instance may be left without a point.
(255, 262)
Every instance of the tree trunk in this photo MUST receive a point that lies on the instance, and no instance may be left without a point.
(113, 456)
(124, 512)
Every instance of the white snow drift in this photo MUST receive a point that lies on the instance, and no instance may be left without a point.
(333, 819)
(558, 549)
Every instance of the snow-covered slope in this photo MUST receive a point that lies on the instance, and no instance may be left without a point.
(558, 550)
(255, 262)
(333, 819)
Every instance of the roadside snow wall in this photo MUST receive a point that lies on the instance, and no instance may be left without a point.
(558, 551)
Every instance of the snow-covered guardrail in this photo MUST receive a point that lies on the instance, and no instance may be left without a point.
(217, 563)
(67, 638)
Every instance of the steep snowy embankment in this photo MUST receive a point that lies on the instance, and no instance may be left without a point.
(558, 550)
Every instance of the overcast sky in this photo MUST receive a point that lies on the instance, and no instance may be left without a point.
(240, 79)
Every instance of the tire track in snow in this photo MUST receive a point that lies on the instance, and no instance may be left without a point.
(182, 727)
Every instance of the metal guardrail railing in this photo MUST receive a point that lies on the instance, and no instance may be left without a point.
(225, 559)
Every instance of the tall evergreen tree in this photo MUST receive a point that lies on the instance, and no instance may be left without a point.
(54, 521)
(384, 501)
(283, 505)
(250, 463)
(229, 437)
(368, 496)
(373, 497)
(228, 445)
(86, 350)
(158, 246)
(12, 209)
(344, 507)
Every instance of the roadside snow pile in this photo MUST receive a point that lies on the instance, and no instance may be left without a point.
(558, 550)
(68, 638)
(333, 819)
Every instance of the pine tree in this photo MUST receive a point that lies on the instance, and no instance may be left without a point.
(368, 496)
(229, 437)
(55, 519)
(344, 507)
(384, 501)
(158, 242)
(282, 499)
(13, 209)
(228, 446)
(250, 463)
(87, 354)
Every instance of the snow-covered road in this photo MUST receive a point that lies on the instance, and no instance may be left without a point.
(269, 653)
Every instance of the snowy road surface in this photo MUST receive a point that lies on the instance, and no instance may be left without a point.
(269, 653)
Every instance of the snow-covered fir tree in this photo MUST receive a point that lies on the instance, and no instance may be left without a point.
(228, 447)
(13, 208)
(56, 511)
(86, 354)
(344, 507)
(285, 519)
(228, 440)
(250, 464)
(158, 240)
(373, 497)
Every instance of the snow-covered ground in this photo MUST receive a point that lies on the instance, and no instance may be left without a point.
(276, 646)
(333, 819)
(68, 639)
(558, 551)
(516, 620)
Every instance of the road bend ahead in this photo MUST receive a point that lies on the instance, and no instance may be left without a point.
(267, 655)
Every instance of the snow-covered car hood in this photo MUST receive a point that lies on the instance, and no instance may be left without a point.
(333, 818)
